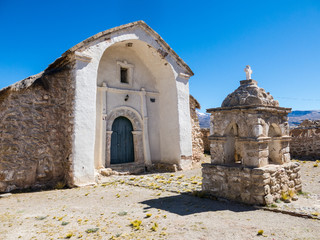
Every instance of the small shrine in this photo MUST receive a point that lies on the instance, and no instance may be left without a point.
(249, 146)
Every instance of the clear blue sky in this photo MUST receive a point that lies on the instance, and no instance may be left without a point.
(279, 39)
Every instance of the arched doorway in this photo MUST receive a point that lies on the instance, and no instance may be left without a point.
(122, 149)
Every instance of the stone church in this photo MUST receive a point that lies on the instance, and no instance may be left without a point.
(119, 100)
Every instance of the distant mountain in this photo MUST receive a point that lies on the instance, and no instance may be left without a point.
(295, 117)
(204, 119)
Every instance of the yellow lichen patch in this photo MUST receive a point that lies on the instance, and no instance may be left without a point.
(154, 227)
(260, 232)
(135, 224)
(162, 234)
(69, 235)
(284, 196)
(291, 192)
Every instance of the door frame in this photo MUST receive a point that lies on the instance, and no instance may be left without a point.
(138, 141)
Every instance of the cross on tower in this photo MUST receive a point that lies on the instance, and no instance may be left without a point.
(248, 72)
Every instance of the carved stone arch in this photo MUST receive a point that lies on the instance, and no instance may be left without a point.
(137, 124)
(265, 128)
(274, 130)
(127, 112)
(231, 129)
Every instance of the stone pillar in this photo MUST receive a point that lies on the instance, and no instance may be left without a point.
(138, 148)
(100, 144)
(108, 149)
(144, 112)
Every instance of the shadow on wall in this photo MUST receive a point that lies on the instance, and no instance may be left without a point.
(187, 205)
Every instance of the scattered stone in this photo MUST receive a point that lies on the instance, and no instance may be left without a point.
(5, 195)
(268, 199)
(287, 200)
(106, 172)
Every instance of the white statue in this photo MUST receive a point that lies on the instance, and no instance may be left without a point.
(248, 72)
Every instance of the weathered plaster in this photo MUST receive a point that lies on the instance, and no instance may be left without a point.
(173, 103)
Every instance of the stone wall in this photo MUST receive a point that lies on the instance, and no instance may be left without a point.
(206, 144)
(251, 185)
(197, 143)
(257, 137)
(36, 126)
(305, 142)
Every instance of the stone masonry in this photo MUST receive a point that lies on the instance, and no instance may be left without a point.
(206, 144)
(252, 185)
(305, 142)
(250, 129)
(250, 154)
(35, 126)
(197, 142)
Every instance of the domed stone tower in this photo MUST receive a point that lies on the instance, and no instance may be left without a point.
(249, 128)
(249, 136)
(249, 94)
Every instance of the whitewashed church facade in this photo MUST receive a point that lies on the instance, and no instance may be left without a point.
(123, 103)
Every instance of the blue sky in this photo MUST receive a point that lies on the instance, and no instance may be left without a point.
(279, 39)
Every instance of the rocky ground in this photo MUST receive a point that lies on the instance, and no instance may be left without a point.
(156, 206)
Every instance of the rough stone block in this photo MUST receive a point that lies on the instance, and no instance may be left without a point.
(268, 199)
(106, 172)
(297, 181)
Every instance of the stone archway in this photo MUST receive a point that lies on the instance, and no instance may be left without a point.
(136, 122)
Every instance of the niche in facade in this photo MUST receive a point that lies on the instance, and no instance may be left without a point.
(230, 147)
(274, 145)
(125, 72)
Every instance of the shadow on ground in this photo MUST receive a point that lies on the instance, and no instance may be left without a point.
(184, 204)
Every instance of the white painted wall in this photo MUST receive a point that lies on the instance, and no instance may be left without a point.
(168, 119)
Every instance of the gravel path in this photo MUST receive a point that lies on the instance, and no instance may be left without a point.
(160, 206)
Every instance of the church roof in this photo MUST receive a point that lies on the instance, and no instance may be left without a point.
(127, 26)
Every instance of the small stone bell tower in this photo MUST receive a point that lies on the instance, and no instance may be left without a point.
(249, 145)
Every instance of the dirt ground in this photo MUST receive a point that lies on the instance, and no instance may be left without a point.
(151, 206)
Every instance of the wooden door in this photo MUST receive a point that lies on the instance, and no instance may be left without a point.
(122, 150)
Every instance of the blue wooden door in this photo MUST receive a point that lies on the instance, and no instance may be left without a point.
(122, 141)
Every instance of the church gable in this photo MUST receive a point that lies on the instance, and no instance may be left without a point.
(122, 87)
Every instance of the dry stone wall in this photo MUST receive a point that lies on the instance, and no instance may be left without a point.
(197, 142)
(206, 144)
(263, 185)
(305, 142)
(36, 126)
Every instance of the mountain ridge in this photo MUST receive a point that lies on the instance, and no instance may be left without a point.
(295, 117)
